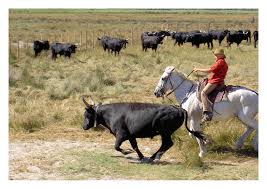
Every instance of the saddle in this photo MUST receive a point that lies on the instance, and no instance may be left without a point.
(217, 95)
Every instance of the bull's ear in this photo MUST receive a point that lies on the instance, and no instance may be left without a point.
(90, 109)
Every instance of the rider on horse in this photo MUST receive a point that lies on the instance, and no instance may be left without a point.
(216, 78)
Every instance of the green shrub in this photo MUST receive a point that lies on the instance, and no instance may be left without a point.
(13, 77)
(28, 123)
(12, 58)
(58, 93)
(28, 79)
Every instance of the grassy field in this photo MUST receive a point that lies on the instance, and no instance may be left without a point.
(45, 106)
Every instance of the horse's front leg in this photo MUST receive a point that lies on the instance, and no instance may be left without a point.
(195, 126)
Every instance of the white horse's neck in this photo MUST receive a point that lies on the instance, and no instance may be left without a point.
(184, 89)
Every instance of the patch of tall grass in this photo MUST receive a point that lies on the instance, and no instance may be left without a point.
(29, 123)
(14, 77)
(130, 76)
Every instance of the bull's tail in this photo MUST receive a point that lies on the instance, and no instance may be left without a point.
(197, 134)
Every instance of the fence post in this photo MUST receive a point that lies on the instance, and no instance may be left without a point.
(9, 45)
(86, 39)
(61, 37)
(81, 38)
(132, 36)
(74, 40)
(41, 35)
(93, 36)
(18, 53)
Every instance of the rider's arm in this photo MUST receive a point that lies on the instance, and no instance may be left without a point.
(202, 70)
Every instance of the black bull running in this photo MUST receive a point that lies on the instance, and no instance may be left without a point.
(128, 121)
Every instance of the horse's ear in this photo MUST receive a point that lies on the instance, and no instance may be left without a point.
(169, 69)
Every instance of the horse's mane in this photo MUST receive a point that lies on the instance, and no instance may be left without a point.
(184, 77)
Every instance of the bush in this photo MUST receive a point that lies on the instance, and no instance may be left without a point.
(58, 93)
(28, 123)
(12, 58)
(28, 79)
(13, 77)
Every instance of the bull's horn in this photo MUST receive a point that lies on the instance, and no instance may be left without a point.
(86, 103)
(92, 101)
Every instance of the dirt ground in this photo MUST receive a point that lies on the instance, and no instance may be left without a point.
(39, 159)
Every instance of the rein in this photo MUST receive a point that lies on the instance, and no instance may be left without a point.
(178, 85)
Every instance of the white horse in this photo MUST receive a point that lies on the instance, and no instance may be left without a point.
(241, 103)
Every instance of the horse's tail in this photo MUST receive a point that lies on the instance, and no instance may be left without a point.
(197, 134)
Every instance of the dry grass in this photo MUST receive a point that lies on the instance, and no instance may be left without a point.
(45, 96)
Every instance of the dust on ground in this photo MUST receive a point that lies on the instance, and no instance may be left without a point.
(39, 159)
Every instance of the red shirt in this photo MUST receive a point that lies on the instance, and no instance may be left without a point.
(218, 71)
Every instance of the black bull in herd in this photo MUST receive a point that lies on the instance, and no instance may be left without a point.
(128, 121)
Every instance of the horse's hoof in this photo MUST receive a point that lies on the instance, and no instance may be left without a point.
(146, 160)
(201, 154)
(207, 142)
(156, 161)
(255, 147)
(238, 146)
(190, 134)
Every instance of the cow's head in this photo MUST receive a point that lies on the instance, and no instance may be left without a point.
(189, 38)
(89, 115)
(164, 83)
(46, 45)
(125, 41)
(73, 48)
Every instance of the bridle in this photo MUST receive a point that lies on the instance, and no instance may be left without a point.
(174, 88)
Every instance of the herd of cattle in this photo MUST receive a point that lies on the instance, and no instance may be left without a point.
(56, 48)
(153, 39)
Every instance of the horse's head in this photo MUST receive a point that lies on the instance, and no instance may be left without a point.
(164, 83)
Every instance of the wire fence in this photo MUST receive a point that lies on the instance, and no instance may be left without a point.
(88, 39)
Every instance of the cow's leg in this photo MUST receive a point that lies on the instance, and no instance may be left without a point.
(135, 147)
(166, 144)
(121, 136)
(54, 56)
(119, 141)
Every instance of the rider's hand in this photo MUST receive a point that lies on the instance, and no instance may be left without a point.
(195, 70)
